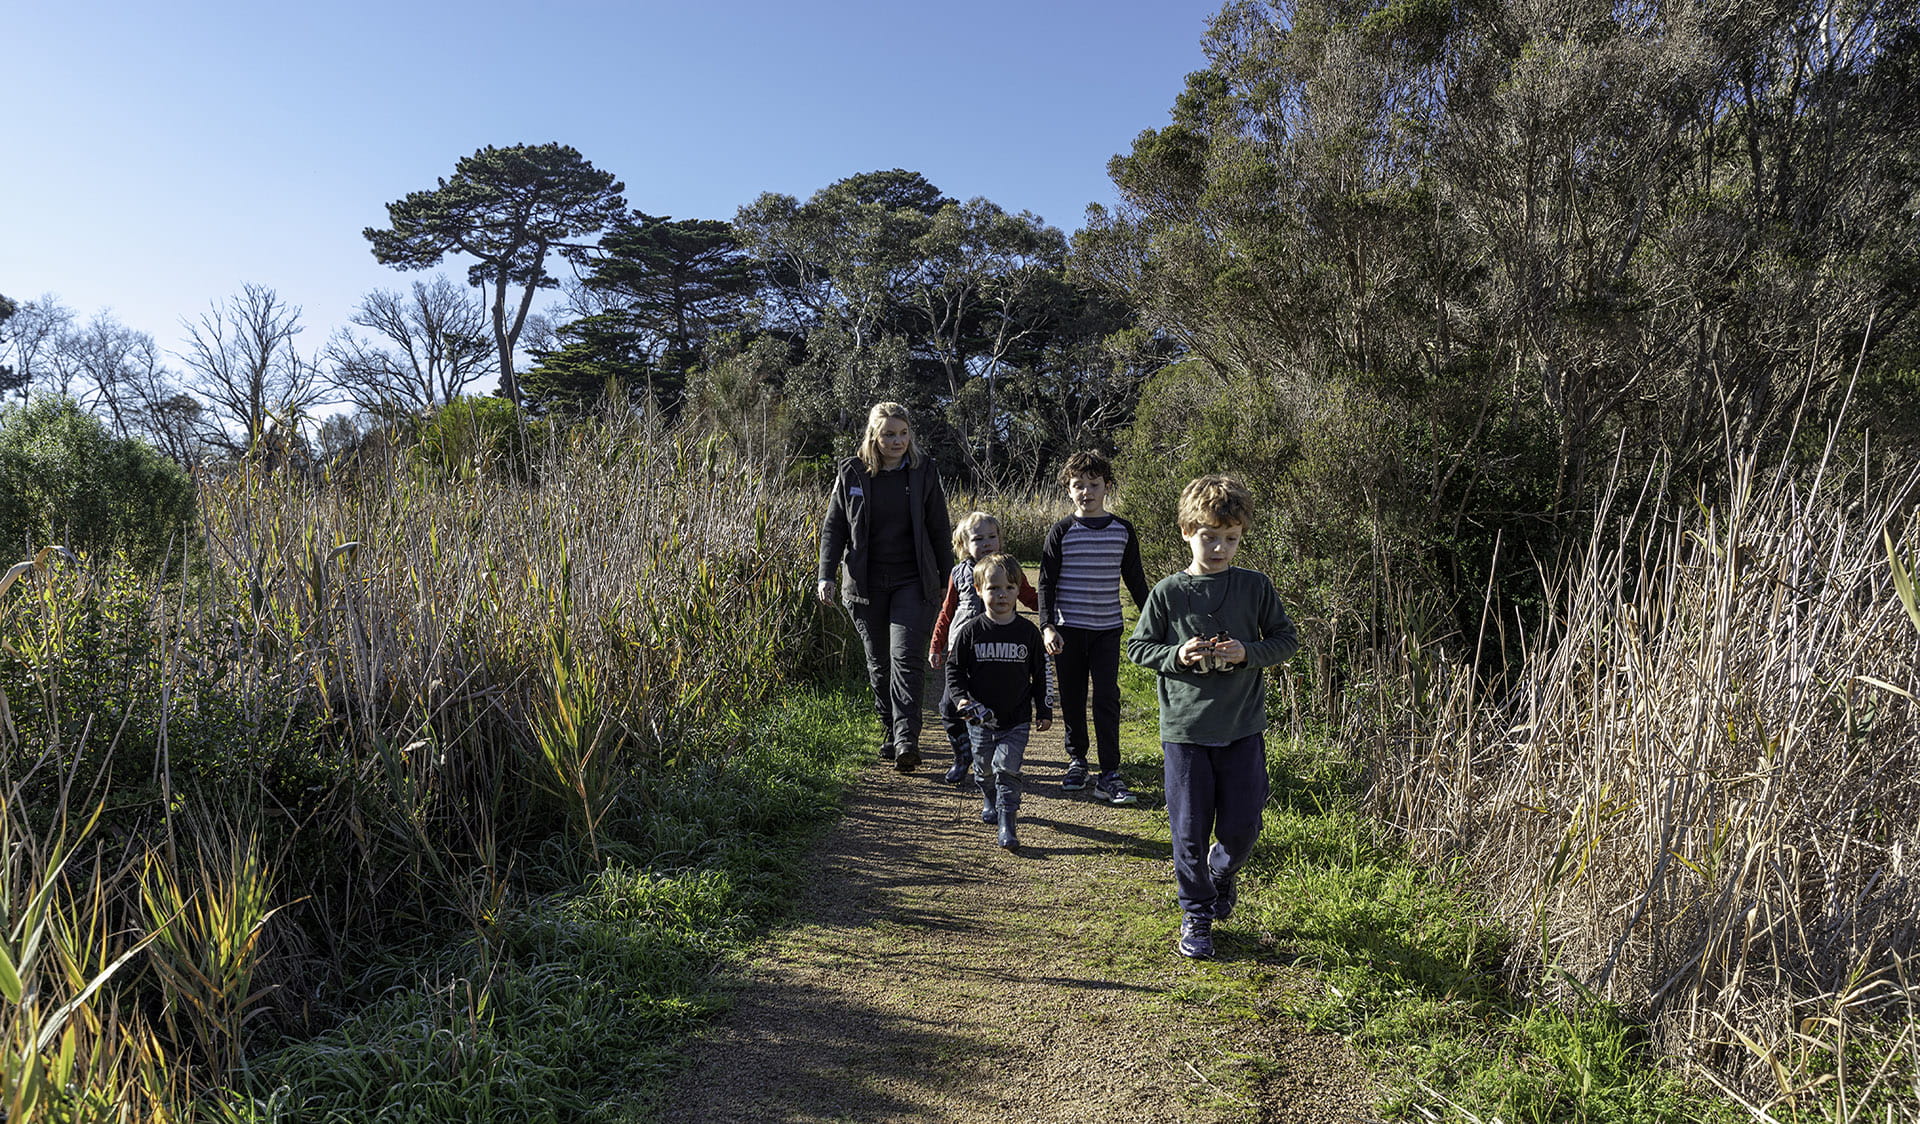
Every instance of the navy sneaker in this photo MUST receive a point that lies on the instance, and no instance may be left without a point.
(1076, 778)
(1226, 895)
(1196, 938)
(1113, 789)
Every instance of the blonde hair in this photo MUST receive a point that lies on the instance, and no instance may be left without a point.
(877, 418)
(963, 530)
(1214, 501)
(983, 569)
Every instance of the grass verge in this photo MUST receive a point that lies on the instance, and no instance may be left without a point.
(1408, 970)
(569, 1007)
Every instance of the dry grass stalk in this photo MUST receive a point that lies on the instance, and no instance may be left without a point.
(1702, 798)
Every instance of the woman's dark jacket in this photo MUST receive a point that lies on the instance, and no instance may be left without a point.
(845, 535)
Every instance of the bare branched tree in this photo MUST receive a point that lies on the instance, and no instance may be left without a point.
(32, 332)
(426, 348)
(254, 383)
(110, 369)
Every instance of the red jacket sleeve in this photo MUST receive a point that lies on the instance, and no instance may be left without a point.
(944, 621)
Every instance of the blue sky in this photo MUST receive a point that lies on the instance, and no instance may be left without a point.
(160, 156)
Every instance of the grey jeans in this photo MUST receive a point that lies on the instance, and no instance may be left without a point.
(894, 626)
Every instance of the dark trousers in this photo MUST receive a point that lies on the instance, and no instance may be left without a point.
(894, 625)
(1090, 654)
(959, 739)
(1213, 792)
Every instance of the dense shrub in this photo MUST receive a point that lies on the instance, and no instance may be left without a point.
(64, 479)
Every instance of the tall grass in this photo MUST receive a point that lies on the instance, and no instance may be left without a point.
(1701, 798)
(418, 687)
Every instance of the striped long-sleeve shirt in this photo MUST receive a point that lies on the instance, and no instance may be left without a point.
(1081, 568)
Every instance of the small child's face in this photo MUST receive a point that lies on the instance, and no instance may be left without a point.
(983, 540)
(1214, 547)
(999, 590)
(1089, 493)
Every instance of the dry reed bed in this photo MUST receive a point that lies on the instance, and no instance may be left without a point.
(1702, 798)
(470, 655)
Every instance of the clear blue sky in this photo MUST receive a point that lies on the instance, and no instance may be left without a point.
(159, 156)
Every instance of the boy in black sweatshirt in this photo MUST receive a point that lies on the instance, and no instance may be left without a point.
(997, 678)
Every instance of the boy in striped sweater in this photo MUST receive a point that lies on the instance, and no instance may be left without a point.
(1086, 558)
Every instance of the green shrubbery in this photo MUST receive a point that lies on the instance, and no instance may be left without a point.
(65, 480)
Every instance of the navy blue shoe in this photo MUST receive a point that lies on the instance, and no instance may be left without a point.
(1196, 938)
(1226, 895)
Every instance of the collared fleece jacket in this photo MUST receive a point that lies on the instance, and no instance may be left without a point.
(846, 534)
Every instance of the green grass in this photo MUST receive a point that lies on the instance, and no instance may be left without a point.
(1408, 971)
(571, 1007)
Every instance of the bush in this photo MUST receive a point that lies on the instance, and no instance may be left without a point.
(65, 479)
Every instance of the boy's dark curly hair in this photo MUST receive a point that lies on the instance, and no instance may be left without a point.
(1086, 463)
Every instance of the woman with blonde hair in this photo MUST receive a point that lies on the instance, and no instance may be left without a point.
(885, 537)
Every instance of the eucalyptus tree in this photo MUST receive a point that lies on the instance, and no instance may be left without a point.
(509, 209)
(898, 291)
(838, 270)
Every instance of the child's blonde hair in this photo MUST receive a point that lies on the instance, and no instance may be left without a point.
(969, 523)
(1214, 501)
(877, 419)
(983, 569)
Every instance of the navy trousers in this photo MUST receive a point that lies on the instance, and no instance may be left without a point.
(1214, 792)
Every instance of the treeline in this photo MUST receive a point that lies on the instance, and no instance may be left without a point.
(1449, 271)
(796, 315)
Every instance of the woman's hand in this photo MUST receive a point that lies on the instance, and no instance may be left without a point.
(936, 660)
(825, 592)
(1056, 643)
(1043, 724)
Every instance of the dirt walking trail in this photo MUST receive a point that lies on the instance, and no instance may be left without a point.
(931, 976)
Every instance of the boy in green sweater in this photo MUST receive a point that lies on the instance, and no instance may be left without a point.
(1207, 631)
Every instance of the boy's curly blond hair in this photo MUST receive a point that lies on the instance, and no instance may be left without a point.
(983, 569)
(1214, 501)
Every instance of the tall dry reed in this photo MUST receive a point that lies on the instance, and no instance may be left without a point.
(1701, 798)
(417, 684)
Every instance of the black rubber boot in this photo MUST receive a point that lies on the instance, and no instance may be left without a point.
(989, 807)
(1009, 813)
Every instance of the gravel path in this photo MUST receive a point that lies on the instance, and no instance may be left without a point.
(932, 976)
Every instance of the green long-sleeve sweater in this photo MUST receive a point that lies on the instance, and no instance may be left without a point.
(1212, 707)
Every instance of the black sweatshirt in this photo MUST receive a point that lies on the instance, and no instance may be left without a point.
(1003, 666)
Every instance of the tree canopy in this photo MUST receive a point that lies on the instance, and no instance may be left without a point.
(508, 209)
